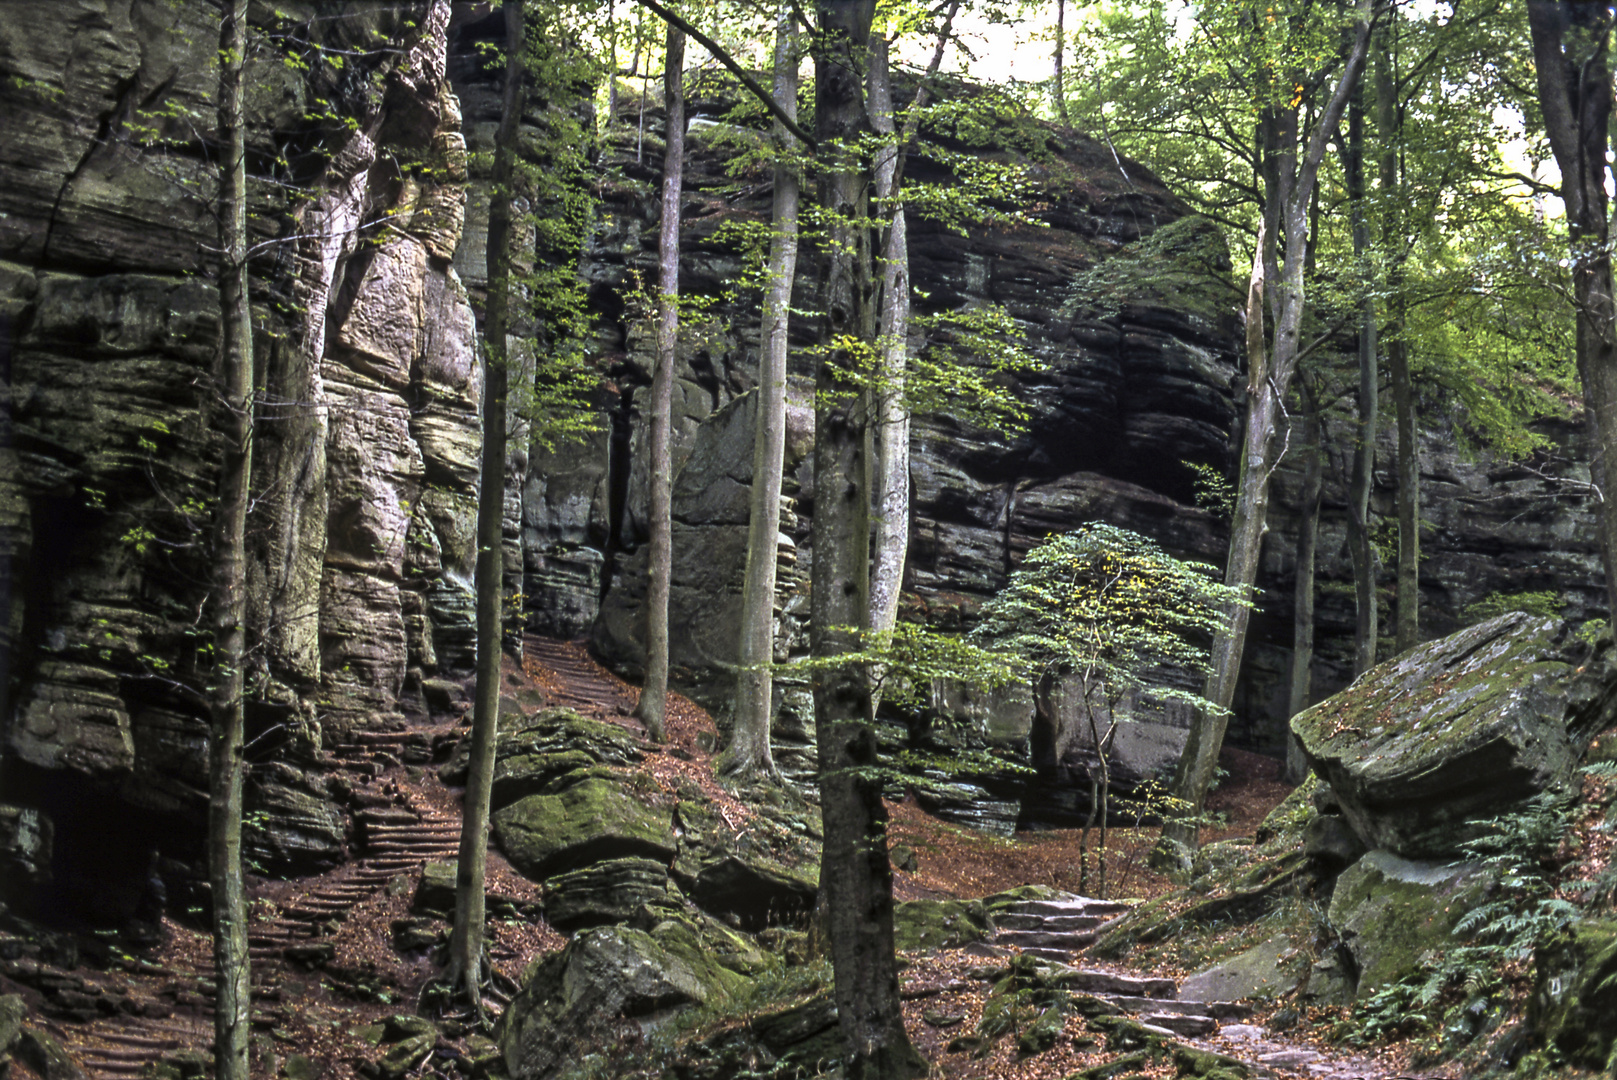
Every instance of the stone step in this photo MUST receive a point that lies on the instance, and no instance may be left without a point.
(1060, 956)
(389, 815)
(1017, 921)
(1218, 1010)
(1078, 905)
(1106, 983)
(1071, 941)
(134, 1041)
(1181, 1024)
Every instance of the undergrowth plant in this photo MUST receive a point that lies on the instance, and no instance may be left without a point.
(1455, 993)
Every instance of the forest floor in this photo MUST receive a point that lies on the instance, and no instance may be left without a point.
(332, 1012)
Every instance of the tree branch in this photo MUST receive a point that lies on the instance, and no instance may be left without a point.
(722, 56)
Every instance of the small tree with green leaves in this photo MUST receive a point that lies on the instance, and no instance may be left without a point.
(1118, 616)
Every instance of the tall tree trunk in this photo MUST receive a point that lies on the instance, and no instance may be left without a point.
(1361, 547)
(1302, 628)
(1571, 53)
(466, 943)
(888, 449)
(748, 754)
(232, 1006)
(1289, 188)
(1058, 90)
(653, 704)
(891, 427)
(1390, 124)
(855, 876)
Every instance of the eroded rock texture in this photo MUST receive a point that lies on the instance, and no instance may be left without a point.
(366, 429)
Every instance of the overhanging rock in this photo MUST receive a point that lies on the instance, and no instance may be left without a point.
(1459, 730)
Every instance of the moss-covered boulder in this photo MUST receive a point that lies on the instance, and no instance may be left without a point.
(536, 755)
(612, 891)
(753, 890)
(1575, 995)
(1391, 910)
(1267, 970)
(1462, 728)
(927, 925)
(596, 819)
(604, 978)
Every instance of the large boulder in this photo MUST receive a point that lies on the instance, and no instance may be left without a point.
(1390, 911)
(533, 753)
(605, 980)
(25, 853)
(1575, 996)
(928, 925)
(613, 891)
(1459, 729)
(1269, 969)
(595, 819)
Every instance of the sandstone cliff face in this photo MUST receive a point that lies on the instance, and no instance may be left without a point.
(367, 422)
(369, 262)
(1129, 392)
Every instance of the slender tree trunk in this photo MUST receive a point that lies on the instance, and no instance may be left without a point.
(748, 754)
(1302, 629)
(232, 1005)
(654, 691)
(1571, 55)
(1290, 187)
(466, 943)
(889, 453)
(855, 876)
(1058, 90)
(1360, 545)
(1390, 125)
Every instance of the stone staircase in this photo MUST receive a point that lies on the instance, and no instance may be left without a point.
(584, 684)
(1059, 929)
(396, 837)
(127, 1020)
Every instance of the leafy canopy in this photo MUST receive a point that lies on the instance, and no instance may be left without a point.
(1111, 607)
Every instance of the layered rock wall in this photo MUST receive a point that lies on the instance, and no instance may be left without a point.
(366, 429)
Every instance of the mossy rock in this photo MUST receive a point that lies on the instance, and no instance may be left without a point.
(1291, 817)
(12, 1011)
(1010, 898)
(605, 975)
(532, 752)
(1391, 910)
(1152, 920)
(1421, 748)
(752, 890)
(1267, 970)
(610, 891)
(1116, 1068)
(404, 1056)
(591, 821)
(1575, 995)
(928, 925)
(1188, 1061)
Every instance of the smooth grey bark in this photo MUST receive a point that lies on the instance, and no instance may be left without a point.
(1389, 123)
(856, 878)
(1289, 185)
(1361, 547)
(889, 435)
(466, 942)
(1571, 54)
(748, 754)
(1058, 90)
(653, 705)
(232, 1004)
(890, 428)
(1302, 628)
